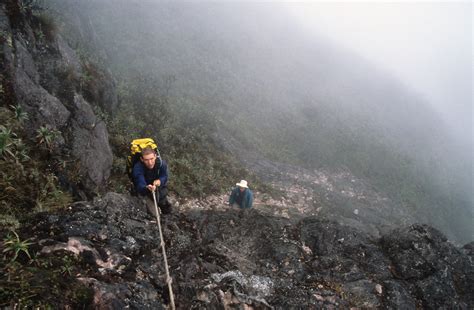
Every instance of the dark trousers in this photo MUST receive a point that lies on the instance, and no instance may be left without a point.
(163, 203)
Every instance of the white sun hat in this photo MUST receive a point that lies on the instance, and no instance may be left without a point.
(242, 183)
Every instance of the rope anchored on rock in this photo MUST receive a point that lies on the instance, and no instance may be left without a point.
(162, 244)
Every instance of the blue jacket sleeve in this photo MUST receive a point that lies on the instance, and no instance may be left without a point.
(163, 175)
(138, 175)
(249, 199)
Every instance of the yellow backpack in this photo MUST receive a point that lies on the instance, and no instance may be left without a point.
(136, 147)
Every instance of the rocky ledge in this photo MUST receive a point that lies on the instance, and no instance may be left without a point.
(225, 258)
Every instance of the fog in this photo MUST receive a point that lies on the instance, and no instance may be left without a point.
(427, 45)
(318, 85)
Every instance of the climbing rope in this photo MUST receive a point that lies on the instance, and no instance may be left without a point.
(162, 244)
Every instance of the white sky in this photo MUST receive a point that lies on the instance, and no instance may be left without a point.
(428, 45)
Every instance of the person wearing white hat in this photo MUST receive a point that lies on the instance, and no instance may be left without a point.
(241, 196)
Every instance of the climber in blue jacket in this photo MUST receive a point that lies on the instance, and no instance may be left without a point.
(241, 196)
(149, 174)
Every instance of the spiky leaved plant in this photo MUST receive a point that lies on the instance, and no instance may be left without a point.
(46, 136)
(13, 246)
(19, 114)
(6, 142)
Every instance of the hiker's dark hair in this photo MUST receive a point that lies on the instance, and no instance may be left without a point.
(147, 150)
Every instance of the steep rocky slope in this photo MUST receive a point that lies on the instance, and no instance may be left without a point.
(290, 95)
(329, 242)
(44, 76)
(226, 258)
(336, 194)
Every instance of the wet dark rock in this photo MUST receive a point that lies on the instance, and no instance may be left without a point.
(413, 252)
(90, 144)
(361, 293)
(42, 108)
(438, 273)
(233, 258)
(107, 296)
(350, 253)
(396, 296)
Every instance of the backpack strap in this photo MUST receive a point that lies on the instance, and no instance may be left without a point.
(161, 164)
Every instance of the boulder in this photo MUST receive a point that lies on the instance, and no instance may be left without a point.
(43, 109)
(90, 144)
(438, 273)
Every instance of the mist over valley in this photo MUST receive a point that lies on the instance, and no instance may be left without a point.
(287, 95)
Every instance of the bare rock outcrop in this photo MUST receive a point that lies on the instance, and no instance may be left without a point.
(225, 258)
(437, 273)
(44, 76)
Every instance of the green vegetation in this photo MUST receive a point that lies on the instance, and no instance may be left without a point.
(27, 182)
(6, 144)
(47, 28)
(30, 280)
(13, 246)
(184, 132)
(19, 114)
(27, 6)
(28, 186)
(47, 136)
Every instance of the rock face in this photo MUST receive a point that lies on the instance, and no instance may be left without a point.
(43, 75)
(227, 258)
(436, 272)
(90, 144)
